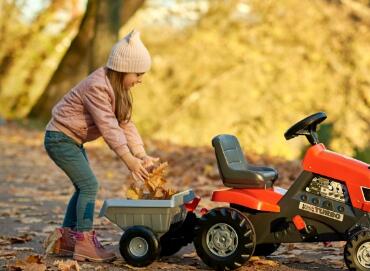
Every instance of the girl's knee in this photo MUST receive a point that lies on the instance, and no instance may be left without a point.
(90, 186)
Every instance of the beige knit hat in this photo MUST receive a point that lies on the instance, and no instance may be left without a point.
(129, 55)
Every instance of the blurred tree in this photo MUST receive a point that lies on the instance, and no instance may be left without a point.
(29, 48)
(89, 49)
(41, 21)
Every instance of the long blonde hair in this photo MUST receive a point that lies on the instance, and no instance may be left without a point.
(123, 106)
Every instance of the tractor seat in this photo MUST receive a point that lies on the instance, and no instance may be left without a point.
(234, 169)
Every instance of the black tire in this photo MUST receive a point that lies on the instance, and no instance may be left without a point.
(265, 249)
(357, 250)
(225, 239)
(179, 235)
(139, 246)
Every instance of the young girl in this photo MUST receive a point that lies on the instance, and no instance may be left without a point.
(100, 105)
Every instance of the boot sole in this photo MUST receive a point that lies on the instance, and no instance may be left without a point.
(64, 253)
(83, 258)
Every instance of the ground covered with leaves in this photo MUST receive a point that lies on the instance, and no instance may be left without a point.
(34, 194)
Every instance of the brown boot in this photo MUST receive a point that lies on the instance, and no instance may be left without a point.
(88, 248)
(65, 246)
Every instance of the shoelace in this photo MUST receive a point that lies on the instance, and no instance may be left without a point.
(96, 241)
(73, 236)
(76, 235)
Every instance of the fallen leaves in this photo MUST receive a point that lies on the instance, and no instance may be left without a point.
(254, 260)
(6, 254)
(9, 252)
(4, 241)
(153, 188)
(68, 265)
(7, 240)
(36, 263)
(31, 263)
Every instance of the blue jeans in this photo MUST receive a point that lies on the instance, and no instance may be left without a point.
(72, 159)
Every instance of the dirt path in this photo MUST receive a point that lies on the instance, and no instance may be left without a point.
(34, 193)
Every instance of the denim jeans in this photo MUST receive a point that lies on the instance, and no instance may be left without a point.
(72, 159)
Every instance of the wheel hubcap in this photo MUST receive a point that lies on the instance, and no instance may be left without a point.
(138, 246)
(222, 239)
(363, 255)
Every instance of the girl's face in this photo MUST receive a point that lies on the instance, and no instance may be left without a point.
(131, 79)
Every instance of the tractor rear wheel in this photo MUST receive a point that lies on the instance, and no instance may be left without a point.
(225, 239)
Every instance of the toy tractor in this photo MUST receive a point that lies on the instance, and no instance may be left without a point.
(329, 201)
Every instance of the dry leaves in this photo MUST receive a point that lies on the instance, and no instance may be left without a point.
(31, 263)
(7, 240)
(36, 263)
(153, 188)
(68, 265)
(260, 261)
(7, 254)
(4, 241)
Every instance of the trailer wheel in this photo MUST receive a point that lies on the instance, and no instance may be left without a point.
(357, 251)
(139, 246)
(225, 239)
(265, 249)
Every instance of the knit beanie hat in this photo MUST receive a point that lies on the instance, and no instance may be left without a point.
(129, 55)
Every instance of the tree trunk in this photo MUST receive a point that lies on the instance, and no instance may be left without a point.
(88, 51)
(106, 32)
(72, 68)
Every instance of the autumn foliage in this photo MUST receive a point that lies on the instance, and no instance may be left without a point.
(154, 187)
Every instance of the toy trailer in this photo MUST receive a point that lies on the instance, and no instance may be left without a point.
(152, 228)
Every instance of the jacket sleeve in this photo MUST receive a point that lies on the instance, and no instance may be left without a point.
(134, 140)
(97, 102)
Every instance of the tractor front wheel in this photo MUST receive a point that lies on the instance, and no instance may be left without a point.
(357, 251)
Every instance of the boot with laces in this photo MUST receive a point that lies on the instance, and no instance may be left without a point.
(88, 248)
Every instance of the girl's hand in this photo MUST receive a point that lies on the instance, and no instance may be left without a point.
(149, 161)
(136, 166)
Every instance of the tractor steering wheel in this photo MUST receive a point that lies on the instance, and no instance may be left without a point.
(306, 127)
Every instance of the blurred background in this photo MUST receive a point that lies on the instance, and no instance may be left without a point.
(246, 67)
(251, 68)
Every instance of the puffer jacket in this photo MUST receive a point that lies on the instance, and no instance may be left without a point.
(86, 112)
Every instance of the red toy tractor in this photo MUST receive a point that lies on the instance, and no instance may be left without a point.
(329, 201)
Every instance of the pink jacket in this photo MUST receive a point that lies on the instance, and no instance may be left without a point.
(87, 112)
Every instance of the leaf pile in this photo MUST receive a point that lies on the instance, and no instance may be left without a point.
(153, 188)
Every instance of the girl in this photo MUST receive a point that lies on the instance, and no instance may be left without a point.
(100, 105)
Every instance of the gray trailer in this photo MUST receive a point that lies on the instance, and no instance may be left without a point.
(152, 228)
